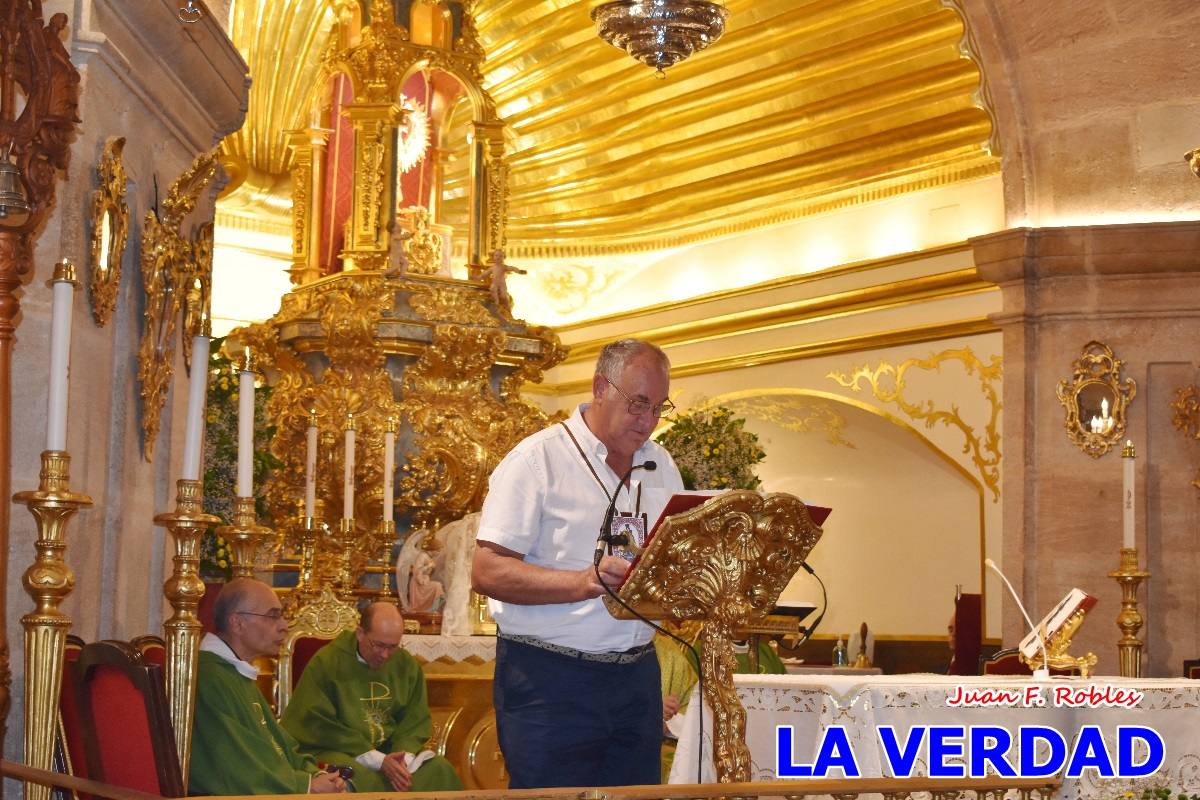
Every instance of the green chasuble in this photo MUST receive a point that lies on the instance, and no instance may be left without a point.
(342, 708)
(237, 746)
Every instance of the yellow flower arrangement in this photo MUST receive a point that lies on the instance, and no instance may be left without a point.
(713, 450)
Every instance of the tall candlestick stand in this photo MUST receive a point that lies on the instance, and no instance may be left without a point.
(385, 540)
(48, 581)
(1129, 647)
(184, 590)
(244, 535)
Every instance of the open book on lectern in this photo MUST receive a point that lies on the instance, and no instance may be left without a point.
(687, 500)
(1053, 622)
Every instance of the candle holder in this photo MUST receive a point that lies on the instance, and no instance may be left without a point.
(305, 536)
(48, 581)
(1129, 647)
(385, 539)
(347, 543)
(184, 590)
(244, 535)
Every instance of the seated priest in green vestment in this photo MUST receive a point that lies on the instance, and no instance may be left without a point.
(361, 701)
(237, 746)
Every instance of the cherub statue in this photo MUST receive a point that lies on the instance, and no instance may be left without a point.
(497, 277)
(397, 257)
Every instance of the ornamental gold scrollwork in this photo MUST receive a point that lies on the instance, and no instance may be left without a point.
(167, 261)
(984, 449)
(1096, 400)
(424, 247)
(110, 231)
(197, 291)
(460, 430)
(448, 304)
(1185, 416)
(724, 562)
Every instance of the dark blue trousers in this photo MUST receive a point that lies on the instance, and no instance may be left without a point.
(564, 721)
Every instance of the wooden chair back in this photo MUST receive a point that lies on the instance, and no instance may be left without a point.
(126, 721)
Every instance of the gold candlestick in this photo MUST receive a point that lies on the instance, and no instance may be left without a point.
(244, 535)
(48, 581)
(1129, 647)
(347, 543)
(306, 535)
(385, 539)
(184, 590)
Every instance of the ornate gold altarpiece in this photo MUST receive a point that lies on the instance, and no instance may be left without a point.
(385, 334)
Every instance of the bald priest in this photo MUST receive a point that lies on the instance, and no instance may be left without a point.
(361, 701)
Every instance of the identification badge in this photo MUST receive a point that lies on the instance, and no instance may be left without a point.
(628, 534)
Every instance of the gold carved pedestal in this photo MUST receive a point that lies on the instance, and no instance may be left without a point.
(184, 591)
(1129, 647)
(48, 581)
(1057, 646)
(724, 562)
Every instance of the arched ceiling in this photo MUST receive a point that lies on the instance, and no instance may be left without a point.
(802, 107)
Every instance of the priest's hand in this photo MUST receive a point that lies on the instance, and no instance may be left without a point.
(394, 770)
(325, 783)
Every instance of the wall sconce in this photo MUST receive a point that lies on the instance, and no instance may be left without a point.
(1185, 416)
(1096, 399)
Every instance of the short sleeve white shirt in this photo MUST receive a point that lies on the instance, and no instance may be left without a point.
(545, 503)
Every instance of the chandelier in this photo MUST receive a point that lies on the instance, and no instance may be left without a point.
(660, 33)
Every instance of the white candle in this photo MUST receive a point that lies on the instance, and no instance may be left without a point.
(389, 467)
(1127, 459)
(60, 354)
(348, 482)
(310, 469)
(245, 463)
(193, 436)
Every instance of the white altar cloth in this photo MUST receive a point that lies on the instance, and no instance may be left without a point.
(811, 703)
(474, 649)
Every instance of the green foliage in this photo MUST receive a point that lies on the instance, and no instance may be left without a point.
(220, 457)
(713, 450)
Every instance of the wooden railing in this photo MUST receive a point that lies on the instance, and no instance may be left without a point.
(889, 788)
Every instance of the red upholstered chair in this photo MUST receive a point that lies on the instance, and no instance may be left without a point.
(1191, 669)
(151, 648)
(126, 722)
(314, 626)
(69, 757)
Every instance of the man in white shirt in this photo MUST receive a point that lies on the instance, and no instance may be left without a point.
(577, 694)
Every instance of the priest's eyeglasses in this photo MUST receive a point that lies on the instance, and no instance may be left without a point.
(274, 614)
(383, 646)
(640, 406)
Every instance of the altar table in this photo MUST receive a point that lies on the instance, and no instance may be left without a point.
(810, 703)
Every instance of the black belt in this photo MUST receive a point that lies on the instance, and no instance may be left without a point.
(623, 657)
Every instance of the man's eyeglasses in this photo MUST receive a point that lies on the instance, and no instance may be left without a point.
(275, 614)
(383, 646)
(639, 406)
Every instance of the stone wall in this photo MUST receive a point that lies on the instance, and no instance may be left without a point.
(173, 91)
(1136, 288)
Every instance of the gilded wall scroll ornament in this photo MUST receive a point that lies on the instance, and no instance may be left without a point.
(1096, 400)
(197, 294)
(1185, 416)
(110, 230)
(983, 446)
(168, 259)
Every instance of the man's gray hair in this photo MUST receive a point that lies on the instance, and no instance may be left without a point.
(616, 355)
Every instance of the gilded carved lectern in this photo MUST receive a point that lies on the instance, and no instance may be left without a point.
(724, 562)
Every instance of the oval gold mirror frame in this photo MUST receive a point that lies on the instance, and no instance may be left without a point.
(1096, 399)
(110, 229)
